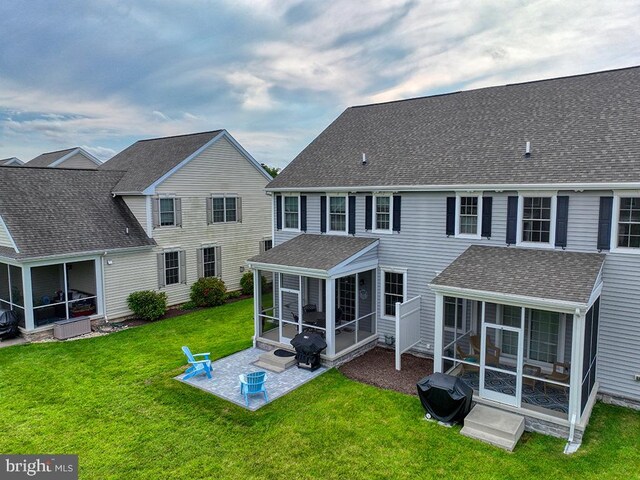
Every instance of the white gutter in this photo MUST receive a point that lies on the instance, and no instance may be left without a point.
(80, 254)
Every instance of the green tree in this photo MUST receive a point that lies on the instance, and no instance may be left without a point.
(273, 171)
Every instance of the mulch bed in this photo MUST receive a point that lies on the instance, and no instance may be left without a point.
(377, 367)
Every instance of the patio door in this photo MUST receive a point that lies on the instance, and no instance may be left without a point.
(290, 314)
(499, 381)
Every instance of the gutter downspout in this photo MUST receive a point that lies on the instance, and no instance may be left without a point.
(104, 297)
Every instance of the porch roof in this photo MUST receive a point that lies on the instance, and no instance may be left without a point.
(314, 253)
(549, 275)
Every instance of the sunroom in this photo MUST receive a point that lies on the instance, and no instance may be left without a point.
(321, 283)
(520, 326)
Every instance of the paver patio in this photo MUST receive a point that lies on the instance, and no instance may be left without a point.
(225, 383)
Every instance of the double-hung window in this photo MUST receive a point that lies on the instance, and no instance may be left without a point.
(394, 287)
(225, 209)
(171, 268)
(291, 212)
(209, 262)
(266, 244)
(468, 214)
(338, 214)
(382, 209)
(536, 219)
(167, 212)
(628, 228)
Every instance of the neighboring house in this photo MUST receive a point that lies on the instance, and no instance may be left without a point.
(158, 216)
(496, 230)
(75, 157)
(11, 162)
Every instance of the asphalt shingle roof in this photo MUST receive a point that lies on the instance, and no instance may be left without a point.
(582, 129)
(48, 158)
(10, 160)
(320, 252)
(51, 211)
(147, 160)
(548, 274)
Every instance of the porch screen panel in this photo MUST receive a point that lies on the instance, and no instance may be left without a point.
(512, 317)
(346, 296)
(592, 319)
(4, 282)
(544, 331)
(49, 294)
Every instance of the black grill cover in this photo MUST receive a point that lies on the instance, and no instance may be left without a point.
(8, 324)
(445, 397)
(308, 346)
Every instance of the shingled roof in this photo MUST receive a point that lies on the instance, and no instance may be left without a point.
(11, 161)
(582, 129)
(148, 160)
(50, 211)
(535, 273)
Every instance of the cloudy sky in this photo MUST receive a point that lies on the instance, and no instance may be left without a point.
(105, 73)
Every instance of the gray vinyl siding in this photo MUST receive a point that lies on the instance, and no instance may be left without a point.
(77, 161)
(423, 249)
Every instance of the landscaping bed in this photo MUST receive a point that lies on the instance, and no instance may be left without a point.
(377, 367)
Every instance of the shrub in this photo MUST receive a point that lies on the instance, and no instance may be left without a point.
(147, 304)
(188, 306)
(232, 295)
(208, 292)
(246, 283)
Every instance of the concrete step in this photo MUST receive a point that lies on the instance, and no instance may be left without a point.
(276, 364)
(497, 427)
(268, 366)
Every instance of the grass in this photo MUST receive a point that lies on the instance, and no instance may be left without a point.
(113, 401)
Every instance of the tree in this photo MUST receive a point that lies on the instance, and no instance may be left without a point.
(273, 171)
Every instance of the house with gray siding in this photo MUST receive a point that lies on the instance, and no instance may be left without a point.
(162, 213)
(498, 231)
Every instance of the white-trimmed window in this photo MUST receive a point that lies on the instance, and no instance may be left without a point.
(627, 222)
(225, 209)
(382, 208)
(453, 313)
(337, 213)
(394, 289)
(537, 219)
(167, 210)
(468, 215)
(266, 244)
(291, 212)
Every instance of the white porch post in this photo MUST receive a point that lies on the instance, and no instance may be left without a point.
(100, 301)
(330, 316)
(577, 351)
(437, 339)
(27, 296)
(257, 302)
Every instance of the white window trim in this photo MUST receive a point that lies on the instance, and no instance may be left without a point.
(374, 220)
(615, 216)
(167, 197)
(478, 233)
(384, 270)
(552, 227)
(215, 267)
(346, 209)
(284, 222)
(224, 196)
(164, 258)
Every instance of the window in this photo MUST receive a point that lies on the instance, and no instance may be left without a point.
(167, 212)
(346, 293)
(453, 316)
(382, 213)
(512, 317)
(536, 219)
(468, 216)
(338, 214)
(629, 222)
(171, 268)
(544, 333)
(266, 244)
(393, 291)
(209, 262)
(225, 209)
(291, 212)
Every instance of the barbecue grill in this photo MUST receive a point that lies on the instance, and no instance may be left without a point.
(8, 324)
(445, 397)
(308, 347)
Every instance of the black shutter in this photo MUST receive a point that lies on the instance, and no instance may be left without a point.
(279, 212)
(368, 212)
(487, 211)
(397, 208)
(323, 213)
(352, 215)
(512, 220)
(451, 216)
(303, 213)
(562, 220)
(604, 223)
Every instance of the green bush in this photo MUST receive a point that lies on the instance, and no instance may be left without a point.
(208, 292)
(188, 306)
(232, 295)
(246, 283)
(147, 304)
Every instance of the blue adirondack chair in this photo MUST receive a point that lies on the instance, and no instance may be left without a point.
(196, 367)
(253, 384)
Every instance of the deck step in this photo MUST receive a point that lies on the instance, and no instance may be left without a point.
(273, 363)
(497, 427)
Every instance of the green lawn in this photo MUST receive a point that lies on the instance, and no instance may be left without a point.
(113, 401)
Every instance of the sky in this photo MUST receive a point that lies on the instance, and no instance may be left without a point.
(103, 74)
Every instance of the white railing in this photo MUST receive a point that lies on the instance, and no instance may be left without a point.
(407, 327)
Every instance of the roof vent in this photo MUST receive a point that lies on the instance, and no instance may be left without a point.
(364, 158)
(527, 149)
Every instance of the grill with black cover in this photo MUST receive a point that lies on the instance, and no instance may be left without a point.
(445, 397)
(8, 324)
(308, 346)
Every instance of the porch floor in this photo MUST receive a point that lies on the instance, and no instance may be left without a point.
(225, 383)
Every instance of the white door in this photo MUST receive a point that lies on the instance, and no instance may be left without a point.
(498, 381)
(290, 314)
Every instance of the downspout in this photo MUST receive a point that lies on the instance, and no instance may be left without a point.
(571, 447)
(104, 297)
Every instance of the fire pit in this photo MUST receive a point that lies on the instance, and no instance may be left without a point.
(308, 347)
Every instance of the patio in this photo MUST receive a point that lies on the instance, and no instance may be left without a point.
(225, 383)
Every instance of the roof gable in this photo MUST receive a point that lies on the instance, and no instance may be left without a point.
(57, 158)
(12, 161)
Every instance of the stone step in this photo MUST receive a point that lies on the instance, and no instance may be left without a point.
(497, 427)
(276, 364)
(268, 366)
